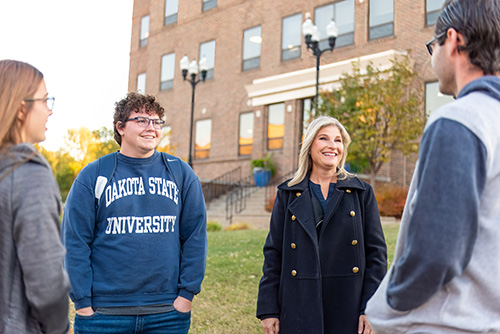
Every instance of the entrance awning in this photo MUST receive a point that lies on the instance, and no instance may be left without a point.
(302, 84)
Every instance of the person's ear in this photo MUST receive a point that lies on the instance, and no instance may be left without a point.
(119, 127)
(22, 112)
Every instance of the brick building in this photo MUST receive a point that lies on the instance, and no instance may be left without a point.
(261, 76)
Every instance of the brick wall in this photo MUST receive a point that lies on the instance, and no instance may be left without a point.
(224, 97)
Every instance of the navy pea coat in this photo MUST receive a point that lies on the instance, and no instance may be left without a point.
(322, 286)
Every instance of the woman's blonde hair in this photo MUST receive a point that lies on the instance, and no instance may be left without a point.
(305, 162)
(19, 81)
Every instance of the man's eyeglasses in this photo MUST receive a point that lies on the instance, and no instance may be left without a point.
(143, 122)
(49, 101)
(430, 43)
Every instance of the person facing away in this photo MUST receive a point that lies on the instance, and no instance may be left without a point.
(33, 284)
(446, 270)
(136, 253)
(325, 253)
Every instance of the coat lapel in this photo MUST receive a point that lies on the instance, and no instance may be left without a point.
(302, 209)
(333, 203)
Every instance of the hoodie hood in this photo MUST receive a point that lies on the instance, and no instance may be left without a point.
(19, 154)
(488, 84)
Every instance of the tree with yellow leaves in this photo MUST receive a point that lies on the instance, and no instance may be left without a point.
(82, 146)
(381, 109)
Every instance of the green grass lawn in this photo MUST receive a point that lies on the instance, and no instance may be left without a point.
(227, 301)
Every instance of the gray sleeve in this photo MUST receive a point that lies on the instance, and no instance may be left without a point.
(39, 248)
(444, 225)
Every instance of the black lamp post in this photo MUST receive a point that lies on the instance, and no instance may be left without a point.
(192, 68)
(311, 35)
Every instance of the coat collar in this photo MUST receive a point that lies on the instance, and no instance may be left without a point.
(302, 208)
(351, 182)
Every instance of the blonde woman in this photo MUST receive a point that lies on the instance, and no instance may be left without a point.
(33, 284)
(325, 254)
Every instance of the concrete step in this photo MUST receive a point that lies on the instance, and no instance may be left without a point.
(254, 213)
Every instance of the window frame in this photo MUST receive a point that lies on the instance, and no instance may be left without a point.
(144, 36)
(429, 14)
(271, 139)
(198, 151)
(210, 61)
(253, 62)
(240, 122)
(208, 4)
(444, 99)
(347, 36)
(372, 29)
(298, 47)
(167, 84)
(172, 18)
(137, 88)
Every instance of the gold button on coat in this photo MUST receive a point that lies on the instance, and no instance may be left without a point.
(294, 273)
(352, 213)
(348, 191)
(355, 270)
(298, 194)
(293, 218)
(293, 245)
(354, 242)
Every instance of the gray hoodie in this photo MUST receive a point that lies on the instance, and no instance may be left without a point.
(33, 285)
(446, 268)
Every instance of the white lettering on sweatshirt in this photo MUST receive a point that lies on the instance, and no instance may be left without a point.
(134, 186)
(139, 225)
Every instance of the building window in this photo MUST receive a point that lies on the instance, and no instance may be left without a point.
(203, 139)
(171, 7)
(432, 9)
(291, 37)
(141, 83)
(381, 18)
(209, 4)
(165, 144)
(167, 71)
(207, 50)
(275, 126)
(434, 98)
(342, 13)
(251, 48)
(307, 116)
(245, 141)
(144, 31)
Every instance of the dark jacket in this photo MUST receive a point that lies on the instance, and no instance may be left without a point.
(322, 286)
(33, 285)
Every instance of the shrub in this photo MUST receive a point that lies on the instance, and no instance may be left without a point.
(213, 226)
(269, 204)
(237, 227)
(391, 200)
(264, 162)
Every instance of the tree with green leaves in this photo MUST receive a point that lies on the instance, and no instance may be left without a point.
(381, 109)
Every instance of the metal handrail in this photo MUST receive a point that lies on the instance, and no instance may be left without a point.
(221, 185)
(236, 199)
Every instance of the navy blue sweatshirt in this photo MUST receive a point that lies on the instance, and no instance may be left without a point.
(147, 242)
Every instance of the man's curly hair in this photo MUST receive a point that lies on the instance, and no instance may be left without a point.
(134, 102)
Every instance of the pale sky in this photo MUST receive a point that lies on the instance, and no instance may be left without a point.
(81, 47)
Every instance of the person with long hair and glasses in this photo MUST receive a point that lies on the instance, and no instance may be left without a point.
(325, 253)
(34, 286)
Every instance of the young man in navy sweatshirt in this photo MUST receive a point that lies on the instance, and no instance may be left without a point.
(446, 268)
(134, 226)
